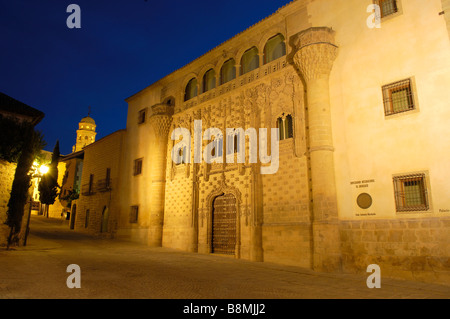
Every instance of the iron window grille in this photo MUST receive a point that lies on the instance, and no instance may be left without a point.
(411, 193)
(387, 7)
(104, 185)
(398, 97)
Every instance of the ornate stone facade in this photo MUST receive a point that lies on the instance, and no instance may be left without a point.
(323, 94)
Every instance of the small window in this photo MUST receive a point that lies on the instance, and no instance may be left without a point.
(228, 71)
(398, 97)
(134, 214)
(411, 193)
(142, 116)
(250, 60)
(209, 80)
(137, 170)
(191, 90)
(275, 48)
(285, 127)
(86, 220)
(387, 7)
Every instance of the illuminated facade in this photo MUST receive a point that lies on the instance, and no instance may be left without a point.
(361, 114)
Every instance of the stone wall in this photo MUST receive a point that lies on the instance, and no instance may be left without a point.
(7, 171)
(413, 249)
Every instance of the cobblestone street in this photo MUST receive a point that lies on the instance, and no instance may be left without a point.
(124, 270)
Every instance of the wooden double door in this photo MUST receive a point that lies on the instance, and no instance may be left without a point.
(224, 225)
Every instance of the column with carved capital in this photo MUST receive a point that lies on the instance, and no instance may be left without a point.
(160, 121)
(314, 57)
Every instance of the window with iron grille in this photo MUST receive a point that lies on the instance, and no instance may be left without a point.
(411, 193)
(134, 214)
(387, 7)
(398, 97)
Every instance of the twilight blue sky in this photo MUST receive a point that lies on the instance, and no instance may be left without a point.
(122, 47)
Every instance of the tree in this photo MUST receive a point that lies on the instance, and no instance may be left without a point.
(32, 145)
(48, 186)
(12, 138)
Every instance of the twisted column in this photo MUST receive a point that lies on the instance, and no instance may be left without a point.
(314, 58)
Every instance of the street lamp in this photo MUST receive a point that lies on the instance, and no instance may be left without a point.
(37, 172)
(43, 169)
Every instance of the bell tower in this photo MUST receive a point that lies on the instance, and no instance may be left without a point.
(85, 133)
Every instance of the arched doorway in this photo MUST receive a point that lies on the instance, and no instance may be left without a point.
(224, 225)
(72, 216)
(105, 217)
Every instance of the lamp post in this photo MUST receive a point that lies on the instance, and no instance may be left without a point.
(38, 173)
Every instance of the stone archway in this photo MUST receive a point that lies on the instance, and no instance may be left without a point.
(228, 192)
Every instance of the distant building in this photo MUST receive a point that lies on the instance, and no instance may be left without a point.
(70, 169)
(97, 209)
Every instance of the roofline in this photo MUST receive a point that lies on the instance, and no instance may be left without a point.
(213, 49)
(105, 137)
(71, 155)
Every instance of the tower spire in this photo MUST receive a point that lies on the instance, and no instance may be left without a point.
(85, 133)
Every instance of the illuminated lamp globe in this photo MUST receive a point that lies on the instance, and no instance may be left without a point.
(43, 169)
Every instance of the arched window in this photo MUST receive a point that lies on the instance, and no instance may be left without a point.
(233, 142)
(191, 90)
(250, 60)
(285, 127)
(217, 151)
(209, 80)
(228, 71)
(275, 48)
(182, 153)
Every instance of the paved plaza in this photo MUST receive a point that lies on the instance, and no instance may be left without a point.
(124, 270)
